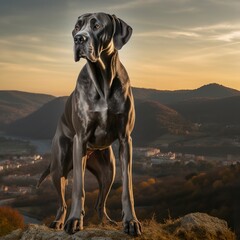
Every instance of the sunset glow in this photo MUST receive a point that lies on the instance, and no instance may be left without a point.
(176, 44)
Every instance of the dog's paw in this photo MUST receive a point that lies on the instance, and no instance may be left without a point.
(133, 227)
(58, 225)
(73, 225)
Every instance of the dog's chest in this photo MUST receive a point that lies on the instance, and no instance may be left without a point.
(100, 119)
(102, 128)
(104, 114)
(90, 103)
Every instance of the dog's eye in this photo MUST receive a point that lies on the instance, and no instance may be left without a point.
(76, 28)
(96, 26)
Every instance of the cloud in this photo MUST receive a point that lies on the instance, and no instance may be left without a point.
(229, 37)
(132, 4)
(224, 32)
(184, 10)
(205, 55)
(215, 27)
(168, 34)
(35, 35)
(16, 67)
(184, 34)
(41, 47)
(224, 2)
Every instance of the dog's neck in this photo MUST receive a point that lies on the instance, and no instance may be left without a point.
(103, 71)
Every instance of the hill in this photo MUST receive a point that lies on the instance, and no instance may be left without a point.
(210, 91)
(214, 111)
(157, 112)
(15, 105)
(152, 120)
(40, 124)
(192, 226)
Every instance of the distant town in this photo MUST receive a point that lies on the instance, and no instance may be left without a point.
(9, 165)
(144, 158)
(150, 157)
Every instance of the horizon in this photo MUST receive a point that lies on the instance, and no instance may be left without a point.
(175, 44)
(185, 89)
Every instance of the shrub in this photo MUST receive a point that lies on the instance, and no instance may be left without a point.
(10, 219)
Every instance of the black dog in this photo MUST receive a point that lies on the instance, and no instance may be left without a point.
(99, 111)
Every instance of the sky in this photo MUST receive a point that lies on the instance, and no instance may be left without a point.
(176, 44)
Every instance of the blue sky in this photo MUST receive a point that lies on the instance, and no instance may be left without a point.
(176, 44)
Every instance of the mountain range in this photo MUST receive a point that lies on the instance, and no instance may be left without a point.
(220, 110)
(157, 112)
(15, 104)
(210, 91)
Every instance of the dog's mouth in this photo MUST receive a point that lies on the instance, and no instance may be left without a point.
(84, 52)
(79, 53)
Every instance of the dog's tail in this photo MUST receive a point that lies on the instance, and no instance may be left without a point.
(43, 176)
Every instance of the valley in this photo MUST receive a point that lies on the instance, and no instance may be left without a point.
(186, 149)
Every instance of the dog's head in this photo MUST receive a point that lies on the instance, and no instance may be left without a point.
(97, 32)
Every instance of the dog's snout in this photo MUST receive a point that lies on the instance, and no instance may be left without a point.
(80, 38)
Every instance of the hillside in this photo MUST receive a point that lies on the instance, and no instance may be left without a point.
(152, 120)
(197, 226)
(41, 123)
(15, 104)
(157, 112)
(210, 91)
(218, 111)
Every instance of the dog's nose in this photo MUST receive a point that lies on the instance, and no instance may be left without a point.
(80, 38)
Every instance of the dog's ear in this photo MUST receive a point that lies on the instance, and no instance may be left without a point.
(121, 32)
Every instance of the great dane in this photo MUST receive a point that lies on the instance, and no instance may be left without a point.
(99, 111)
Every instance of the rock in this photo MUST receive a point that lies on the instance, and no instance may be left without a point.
(200, 226)
(192, 226)
(41, 232)
(15, 235)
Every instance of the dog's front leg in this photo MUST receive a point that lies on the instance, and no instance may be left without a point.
(75, 219)
(130, 222)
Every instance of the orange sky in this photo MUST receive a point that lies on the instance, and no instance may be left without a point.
(176, 44)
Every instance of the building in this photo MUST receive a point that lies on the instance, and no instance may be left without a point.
(145, 152)
(164, 158)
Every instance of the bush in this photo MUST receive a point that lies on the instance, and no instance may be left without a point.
(10, 219)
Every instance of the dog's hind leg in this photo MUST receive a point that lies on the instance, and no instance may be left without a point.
(61, 148)
(102, 165)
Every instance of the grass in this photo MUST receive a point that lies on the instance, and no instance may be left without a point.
(172, 230)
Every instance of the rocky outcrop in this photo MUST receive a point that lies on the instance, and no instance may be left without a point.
(200, 226)
(192, 226)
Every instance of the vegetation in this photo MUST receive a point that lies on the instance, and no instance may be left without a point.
(211, 190)
(10, 219)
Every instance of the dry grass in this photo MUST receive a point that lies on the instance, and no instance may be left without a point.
(190, 227)
(151, 230)
(172, 230)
